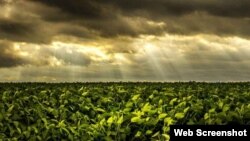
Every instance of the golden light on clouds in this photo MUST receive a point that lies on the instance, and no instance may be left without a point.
(95, 53)
(164, 41)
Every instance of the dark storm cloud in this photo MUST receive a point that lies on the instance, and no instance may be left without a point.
(26, 21)
(104, 19)
(98, 8)
(39, 21)
(113, 18)
(89, 9)
(22, 31)
(7, 56)
(227, 8)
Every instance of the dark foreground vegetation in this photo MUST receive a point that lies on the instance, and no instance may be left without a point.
(116, 111)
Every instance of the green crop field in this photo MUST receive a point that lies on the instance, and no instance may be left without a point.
(116, 111)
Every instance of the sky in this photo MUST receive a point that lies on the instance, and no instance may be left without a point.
(124, 40)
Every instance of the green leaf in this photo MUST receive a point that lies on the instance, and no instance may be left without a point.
(212, 110)
(138, 134)
(226, 107)
(19, 130)
(136, 120)
(100, 110)
(186, 109)
(151, 96)
(206, 116)
(27, 134)
(72, 129)
(10, 108)
(39, 138)
(108, 139)
(127, 110)
(152, 112)
(138, 113)
(179, 115)
(66, 130)
(16, 123)
(156, 134)
(152, 121)
(220, 104)
(129, 104)
(146, 107)
(149, 132)
(35, 130)
(163, 115)
(45, 121)
(166, 136)
(160, 102)
(120, 120)
(110, 120)
(61, 124)
(173, 101)
(135, 97)
(168, 120)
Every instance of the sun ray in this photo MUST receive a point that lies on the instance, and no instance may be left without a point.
(157, 67)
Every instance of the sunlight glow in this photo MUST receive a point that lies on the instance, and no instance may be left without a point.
(151, 51)
(6, 9)
(95, 53)
(159, 58)
(55, 62)
(121, 59)
(159, 24)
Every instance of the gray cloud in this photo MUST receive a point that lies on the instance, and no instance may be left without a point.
(7, 56)
(45, 56)
(224, 8)
(23, 31)
(40, 21)
(224, 17)
(71, 58)
(26, 21)
(98, 8)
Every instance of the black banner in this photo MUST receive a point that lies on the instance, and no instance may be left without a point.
(212, 132)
